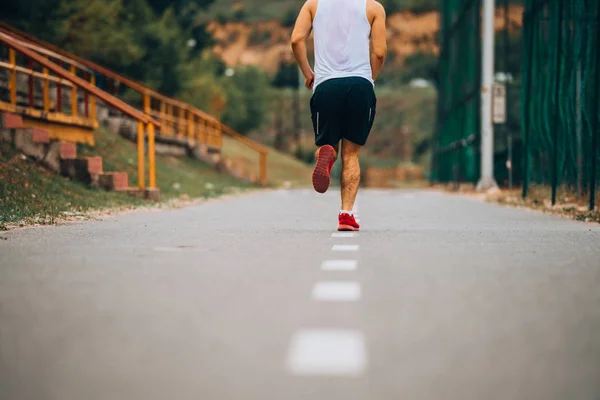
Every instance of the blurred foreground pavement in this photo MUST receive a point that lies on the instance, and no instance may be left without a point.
(438, 297)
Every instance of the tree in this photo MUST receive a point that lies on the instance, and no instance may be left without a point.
(247, 99)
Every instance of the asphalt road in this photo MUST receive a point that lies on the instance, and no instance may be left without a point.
(438, 297)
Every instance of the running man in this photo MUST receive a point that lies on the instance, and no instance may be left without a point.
(350, 49)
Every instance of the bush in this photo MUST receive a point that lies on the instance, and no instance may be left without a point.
(289, 20)
(420, 65)
(423, 6)
(415, 6)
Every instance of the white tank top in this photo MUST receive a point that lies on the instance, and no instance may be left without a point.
(341, 32)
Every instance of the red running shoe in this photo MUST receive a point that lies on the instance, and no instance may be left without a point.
(321, 177)
(347, 223)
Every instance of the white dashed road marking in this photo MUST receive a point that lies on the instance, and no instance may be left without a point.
(344, 234)
(345, 247)
(330, 352)
(336, 291)
(339, 265)
(327, 352)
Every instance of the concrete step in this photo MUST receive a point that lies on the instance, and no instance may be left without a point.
(113, 181)
(68, 151)
(82, 169)
(32, 142)
(148, 194)
(11, 121)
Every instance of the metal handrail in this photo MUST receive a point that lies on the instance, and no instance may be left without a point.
(145, 123)
(185, 121)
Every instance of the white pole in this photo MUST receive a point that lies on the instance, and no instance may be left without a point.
(487, 181)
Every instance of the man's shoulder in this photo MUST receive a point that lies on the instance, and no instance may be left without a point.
(375, 9)
(311, 6)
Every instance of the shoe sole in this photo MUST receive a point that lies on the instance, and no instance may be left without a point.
(347, 228)
(321, 178)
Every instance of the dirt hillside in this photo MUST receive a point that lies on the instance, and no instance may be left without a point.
(265, 43)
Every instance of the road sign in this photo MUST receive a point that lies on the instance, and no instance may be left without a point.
(499, 103)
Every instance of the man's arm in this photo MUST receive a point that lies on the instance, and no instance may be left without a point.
(299, 36)
(378, 40)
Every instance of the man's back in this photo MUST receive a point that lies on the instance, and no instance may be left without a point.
(341, 34)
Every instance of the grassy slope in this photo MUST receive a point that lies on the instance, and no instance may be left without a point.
(175, 176)
(280, 167)
(29, 194)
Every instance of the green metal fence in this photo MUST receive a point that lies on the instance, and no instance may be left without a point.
(560, 96)
(552, 132)
(459, 79)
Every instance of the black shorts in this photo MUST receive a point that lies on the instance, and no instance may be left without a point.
(343, 108)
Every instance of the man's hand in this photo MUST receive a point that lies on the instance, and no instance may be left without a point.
(309, 81)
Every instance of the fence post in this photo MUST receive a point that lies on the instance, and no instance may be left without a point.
(487, 180)
(86, 100)
(46, 92)
(528, 27)
(596, 124)
(190, 126)
(180, 122)
(73, 93)
(146, 104)
(169, 119)
(92, 97)
(263, 168)
(507, 130)
(31, 88)
(163, 130)
(59, 106)
(151, 156)
(556, 104)
(140, 150)
(12, 57)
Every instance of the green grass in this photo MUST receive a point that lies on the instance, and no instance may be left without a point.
(30, 194)
(280, 167)
(176, 177)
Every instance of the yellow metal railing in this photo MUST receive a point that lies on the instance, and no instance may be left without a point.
(56, 74)
(177, 119)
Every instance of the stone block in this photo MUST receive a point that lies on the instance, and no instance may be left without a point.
(134, 192)
(11, 121)
(40, 136)
(25, 142)
(52, 157)
(114, 181)
(6, 135)
(152, 194)
(94, 165)
(68, 151)
(85, 170)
